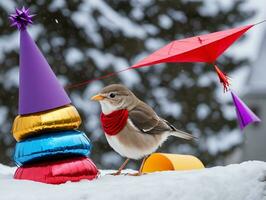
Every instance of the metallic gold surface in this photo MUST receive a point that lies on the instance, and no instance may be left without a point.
(64, 118)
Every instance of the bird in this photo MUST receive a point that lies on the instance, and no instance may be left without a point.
(132, 128)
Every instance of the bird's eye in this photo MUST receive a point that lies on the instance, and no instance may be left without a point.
(112, 95)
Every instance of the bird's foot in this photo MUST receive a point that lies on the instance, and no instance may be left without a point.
(135, 174)
(119, 171)
(115, 173)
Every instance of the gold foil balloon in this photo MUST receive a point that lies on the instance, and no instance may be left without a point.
(63, 118)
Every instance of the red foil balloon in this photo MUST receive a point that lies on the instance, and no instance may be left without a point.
(57, 172)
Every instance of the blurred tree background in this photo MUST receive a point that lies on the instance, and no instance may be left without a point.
(86, 39)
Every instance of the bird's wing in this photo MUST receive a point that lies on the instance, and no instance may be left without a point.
(143, 117)
(146, 120)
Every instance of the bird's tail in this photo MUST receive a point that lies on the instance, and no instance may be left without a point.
(182, 134)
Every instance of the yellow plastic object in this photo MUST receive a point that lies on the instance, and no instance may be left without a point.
(171, 162)
(63, 118)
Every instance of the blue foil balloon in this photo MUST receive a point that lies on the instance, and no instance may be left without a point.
(46, 146)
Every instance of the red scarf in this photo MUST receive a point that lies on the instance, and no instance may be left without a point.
(114, 122)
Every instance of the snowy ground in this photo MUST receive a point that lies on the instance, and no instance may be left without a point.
(246, 181)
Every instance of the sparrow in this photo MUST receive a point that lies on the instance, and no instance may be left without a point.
(132, 128)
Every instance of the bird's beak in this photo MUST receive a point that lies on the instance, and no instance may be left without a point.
(97, 97)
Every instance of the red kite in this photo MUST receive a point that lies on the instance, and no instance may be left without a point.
(203, 48)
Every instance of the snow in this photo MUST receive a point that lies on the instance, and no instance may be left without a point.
(11, 78)
(116, 21)
(58, 41)
(178, 15)
(150, 29)
(130, 77)
(249, 48)
(256, 79)
(245, 181)
(83, 102)
(167, 106)
(137, 13)
(57, 4)
(8, 5)
(182, 149)
(83, 18)
(92, 121)
(229, 111)
(153, 44)
(212, 7)
(202, 111)
(165, 21)
(105, 60)
(206, 79)
(73, 56)
(239, 78)
(101, 60)
(111, 158)
(223, 141)
(3, 114)
(10, 42)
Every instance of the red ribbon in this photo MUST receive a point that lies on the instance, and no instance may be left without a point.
(114, 122)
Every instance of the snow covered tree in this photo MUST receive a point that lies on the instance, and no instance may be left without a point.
(90, 38)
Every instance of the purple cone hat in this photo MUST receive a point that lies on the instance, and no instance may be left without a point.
(39, 89)
(245, 116)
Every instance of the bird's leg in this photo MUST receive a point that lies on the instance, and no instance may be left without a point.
(121, 168)
(139, 173)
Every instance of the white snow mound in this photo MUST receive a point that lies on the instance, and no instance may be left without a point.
(245, 181)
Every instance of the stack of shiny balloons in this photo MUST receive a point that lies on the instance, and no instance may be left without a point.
(49, 149)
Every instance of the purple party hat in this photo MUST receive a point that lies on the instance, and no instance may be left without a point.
(245, 116)
(39, 89)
